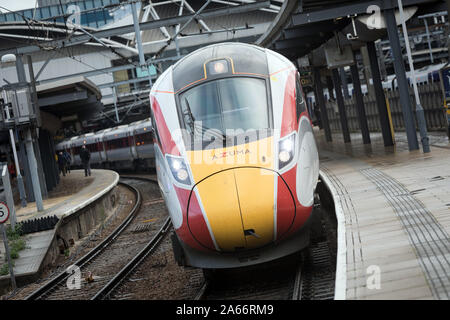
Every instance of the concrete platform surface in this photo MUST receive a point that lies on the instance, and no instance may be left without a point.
(101, 182)
(393, 210)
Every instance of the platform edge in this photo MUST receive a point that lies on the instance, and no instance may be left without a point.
(341, 260)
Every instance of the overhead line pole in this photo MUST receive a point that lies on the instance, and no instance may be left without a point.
(137, 32)
(419, 109)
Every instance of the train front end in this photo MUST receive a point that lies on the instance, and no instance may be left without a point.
(236, 158)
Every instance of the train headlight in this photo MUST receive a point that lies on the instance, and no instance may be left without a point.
(182, 175)
(286, 151)
(218, 67)
(179, 169)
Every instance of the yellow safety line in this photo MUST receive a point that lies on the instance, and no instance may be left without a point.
(149, 220)
(390, 118)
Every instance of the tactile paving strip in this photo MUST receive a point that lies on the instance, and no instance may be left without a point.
(426, 235)
(353, 238)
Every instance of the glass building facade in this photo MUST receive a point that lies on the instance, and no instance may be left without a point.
(54, 13)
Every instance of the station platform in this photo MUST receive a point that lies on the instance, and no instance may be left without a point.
(74, 192)
(393, 212)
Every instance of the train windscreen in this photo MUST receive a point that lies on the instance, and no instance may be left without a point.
(226, 105)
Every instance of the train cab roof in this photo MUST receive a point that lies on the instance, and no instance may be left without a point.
(236, 59)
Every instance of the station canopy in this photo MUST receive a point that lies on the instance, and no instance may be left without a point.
(303, 26)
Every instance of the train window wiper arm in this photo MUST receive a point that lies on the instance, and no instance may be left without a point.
(190, 115)
(193, 125)
(212, 132)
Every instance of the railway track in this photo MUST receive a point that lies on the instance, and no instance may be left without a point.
(109, 289)
(309, 275)
(105, 265)
(121, 264)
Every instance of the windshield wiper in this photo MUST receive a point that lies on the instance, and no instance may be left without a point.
(202, 128)
(190, 115)
(214, 132)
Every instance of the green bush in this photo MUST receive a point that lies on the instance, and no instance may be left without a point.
(15, 247)
(16, 243)
(14, 234)
(4, 270)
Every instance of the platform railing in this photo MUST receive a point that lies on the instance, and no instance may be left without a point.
(432, 102)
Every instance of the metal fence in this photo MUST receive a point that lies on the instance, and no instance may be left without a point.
(431, 99)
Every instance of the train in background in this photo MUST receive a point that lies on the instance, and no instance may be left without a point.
(427, 74)
(236, 158)
(123, 147)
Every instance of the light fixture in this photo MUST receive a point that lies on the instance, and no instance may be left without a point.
(286, 151)
(218, 67)
(179, 169)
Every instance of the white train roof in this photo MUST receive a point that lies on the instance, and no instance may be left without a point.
(117, 132)
(143, 126)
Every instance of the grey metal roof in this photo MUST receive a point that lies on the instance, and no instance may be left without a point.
(224, 22)
(296, 32)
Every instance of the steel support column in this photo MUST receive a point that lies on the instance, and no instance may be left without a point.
(25, 167)
(403, 87)
(367, 73)
(330, 88)
(33, 170)
(344, 83)
(20, 69)
(321, 102)
(47, 160)
(41, 175)
(379, 95)
(341, 105)
(360, 104)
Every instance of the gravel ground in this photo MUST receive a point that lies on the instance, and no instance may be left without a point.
(160, 278)
(126, 245)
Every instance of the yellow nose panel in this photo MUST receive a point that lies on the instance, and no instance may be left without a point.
(234, 198)
(256, 154)
(256, 197)
(221, 204)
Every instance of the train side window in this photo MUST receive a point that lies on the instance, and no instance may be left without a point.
(92, 147)
(117, 143)
(144, 139)
(300, 102)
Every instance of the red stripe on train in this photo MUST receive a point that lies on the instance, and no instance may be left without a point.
(167, 143)
(195, 233)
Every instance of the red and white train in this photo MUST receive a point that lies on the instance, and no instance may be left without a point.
(123, 147)
(235, 154)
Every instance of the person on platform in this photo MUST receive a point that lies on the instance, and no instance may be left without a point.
(68, 160)
(12, 170)
(85, 156)
(62, 163)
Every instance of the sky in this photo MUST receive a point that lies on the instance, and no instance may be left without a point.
(15, 5)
